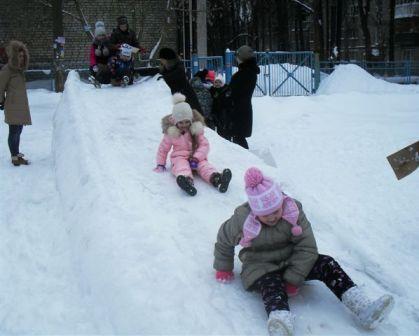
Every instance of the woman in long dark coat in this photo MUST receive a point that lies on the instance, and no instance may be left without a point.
(174, 75)
(242, 85)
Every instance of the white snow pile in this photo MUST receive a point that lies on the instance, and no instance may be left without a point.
(352, 78)
(92, 241)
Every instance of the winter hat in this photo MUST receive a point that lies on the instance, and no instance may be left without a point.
(126, 50)
(167, 53)
(265, 197)
(122, 20)
(244, 53)
(201, 74)
(100, 28)
(181, 110)
(210, 76)
(219, 78)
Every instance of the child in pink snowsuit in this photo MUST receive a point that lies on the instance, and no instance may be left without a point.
(184, 133)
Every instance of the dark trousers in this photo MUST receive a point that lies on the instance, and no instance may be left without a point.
(103, 75)
(14, 138)
(240, 140)
(326, 269)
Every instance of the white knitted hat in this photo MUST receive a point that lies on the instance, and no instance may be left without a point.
(181, 110)
(100, 28)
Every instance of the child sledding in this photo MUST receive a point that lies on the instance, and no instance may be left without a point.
(184, 133)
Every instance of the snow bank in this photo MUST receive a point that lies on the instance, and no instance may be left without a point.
(352, 78)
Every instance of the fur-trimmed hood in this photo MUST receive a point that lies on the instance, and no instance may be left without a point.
(171, 130)
(12, 51)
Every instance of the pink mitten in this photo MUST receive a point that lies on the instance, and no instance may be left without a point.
(224, 276)
(291, 290)
(159, 169)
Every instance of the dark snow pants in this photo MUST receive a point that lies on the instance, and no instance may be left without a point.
(326, 269)
(14, 138)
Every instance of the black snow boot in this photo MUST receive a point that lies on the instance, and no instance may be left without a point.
(221, 181)
(186, 184)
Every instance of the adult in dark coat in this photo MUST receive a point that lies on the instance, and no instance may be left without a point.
(174, 75)
(242, 85)
(122, 34)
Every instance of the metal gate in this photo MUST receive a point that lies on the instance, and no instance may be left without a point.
(281, 73)
(291, 73)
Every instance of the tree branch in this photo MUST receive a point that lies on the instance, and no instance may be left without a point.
(83, 20)
(65, 12)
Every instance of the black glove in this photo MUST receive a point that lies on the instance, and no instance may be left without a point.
(2, 106)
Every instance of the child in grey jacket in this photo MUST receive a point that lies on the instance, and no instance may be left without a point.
(279, 253)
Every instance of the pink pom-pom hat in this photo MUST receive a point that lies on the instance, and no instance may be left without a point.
(265, 197)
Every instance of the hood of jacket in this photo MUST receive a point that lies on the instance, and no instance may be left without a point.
(12, 51)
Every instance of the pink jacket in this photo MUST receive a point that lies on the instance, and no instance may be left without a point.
(182, 143)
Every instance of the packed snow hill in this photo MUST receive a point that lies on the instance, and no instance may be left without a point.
(94, 242)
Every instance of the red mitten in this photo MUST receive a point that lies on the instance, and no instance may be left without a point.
(224, 276)
(291, 290)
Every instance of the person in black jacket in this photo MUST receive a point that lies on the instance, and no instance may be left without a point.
(222, 106)
(242, 85)
(173, 72)
(122, 34)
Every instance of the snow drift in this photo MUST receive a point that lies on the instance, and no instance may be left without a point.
(352, 78)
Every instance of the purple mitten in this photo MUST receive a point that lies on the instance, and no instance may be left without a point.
(193, 163)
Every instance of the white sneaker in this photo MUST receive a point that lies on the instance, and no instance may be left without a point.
(369, 313)
(281, 323)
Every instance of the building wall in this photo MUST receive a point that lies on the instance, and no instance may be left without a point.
(31, 22)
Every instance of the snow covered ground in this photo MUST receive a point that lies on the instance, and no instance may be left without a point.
(93, 241)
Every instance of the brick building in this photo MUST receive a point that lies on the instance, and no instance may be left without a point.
(31, 22)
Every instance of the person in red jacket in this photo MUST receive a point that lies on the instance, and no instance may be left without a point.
(100, 53)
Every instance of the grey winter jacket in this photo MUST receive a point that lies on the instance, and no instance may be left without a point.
(272, 250)
(204, 96)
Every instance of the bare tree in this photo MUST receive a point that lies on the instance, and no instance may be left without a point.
(318, 28)
(86, 27)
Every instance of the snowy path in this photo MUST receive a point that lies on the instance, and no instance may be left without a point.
(39, 292)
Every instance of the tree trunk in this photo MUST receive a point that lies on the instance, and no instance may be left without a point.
(339, 14)
(283, 26)
(364, 9)
(318, 29)
(58, 31)
(392, 8)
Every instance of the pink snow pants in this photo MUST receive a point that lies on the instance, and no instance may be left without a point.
(180, 166)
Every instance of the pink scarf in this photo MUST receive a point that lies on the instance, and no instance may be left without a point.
(252, 226)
